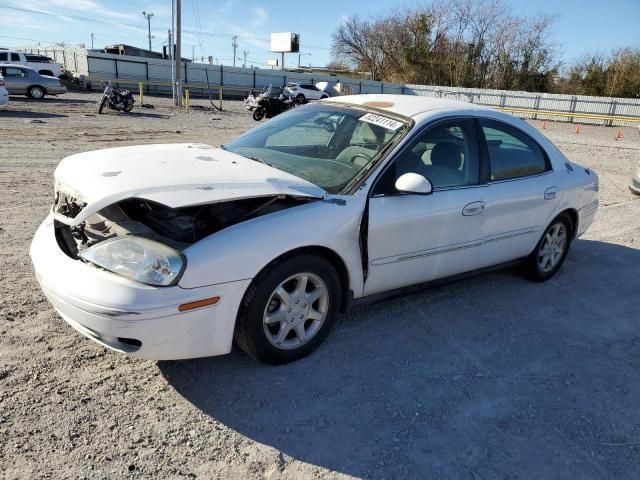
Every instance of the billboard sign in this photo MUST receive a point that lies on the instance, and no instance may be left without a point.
(287, 42)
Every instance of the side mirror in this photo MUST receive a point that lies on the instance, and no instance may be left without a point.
(414, 183)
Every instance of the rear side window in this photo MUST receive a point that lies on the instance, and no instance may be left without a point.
(512, 153)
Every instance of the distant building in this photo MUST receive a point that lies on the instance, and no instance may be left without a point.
(123, 49)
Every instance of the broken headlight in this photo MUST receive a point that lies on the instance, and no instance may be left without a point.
(137, 258)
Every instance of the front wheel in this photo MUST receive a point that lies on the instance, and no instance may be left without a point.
(289, 309)
(103, 102)
(301, 99)
(551, 251)
(258, 114)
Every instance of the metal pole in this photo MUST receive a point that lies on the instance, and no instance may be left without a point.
(244, 63)
(178, 52)
(148, 17)
(92, 35)
(282, 63)
(193, 54)
(235, 46)
(299, 54)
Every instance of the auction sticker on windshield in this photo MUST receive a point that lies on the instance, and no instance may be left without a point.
(381, 121)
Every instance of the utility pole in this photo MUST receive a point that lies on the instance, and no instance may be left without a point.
(178, 67)
(92, 35)
(244, 63)
(235, 47)
(193, 54)
(148, 17)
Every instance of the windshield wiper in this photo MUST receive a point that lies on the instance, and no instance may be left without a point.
(259, 159)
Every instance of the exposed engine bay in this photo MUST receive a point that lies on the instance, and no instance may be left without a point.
(175, 227)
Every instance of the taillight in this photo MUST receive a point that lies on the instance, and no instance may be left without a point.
(1, 83)
(61, 69)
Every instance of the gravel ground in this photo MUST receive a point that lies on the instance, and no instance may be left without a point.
(490, 377)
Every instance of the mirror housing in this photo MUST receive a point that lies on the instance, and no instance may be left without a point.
(414, 183)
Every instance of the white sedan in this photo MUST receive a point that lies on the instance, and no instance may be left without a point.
(174, 251)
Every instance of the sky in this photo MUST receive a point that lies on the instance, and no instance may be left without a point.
(582, 26)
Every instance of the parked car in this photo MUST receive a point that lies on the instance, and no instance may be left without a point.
(40, 63)
(304, 92)
(635, 181)
(21, 80)
(172, 251)
(4, 95)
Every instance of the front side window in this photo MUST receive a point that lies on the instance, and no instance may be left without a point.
(512, 153)
(446, 154)
(327, 145)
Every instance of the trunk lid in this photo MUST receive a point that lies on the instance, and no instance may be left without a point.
(175, 175)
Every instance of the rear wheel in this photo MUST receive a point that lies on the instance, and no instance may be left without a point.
(301, 99)
(551, 251)
(289, 309)
(36, 92)
(258, 114)
(128, 105)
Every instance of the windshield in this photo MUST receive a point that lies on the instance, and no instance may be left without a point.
(325, 144)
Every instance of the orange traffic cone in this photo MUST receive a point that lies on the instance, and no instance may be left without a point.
(618, 136)
(544, 125)
(578, 129)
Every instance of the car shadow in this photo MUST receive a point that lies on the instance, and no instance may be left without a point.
(24, 114)
(481, 378)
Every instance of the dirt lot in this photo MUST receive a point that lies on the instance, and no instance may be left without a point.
(491, 377)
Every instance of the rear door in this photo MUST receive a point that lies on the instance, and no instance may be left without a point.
(521, 194)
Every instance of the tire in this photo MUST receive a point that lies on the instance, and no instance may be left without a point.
(36, 92)
(258, 114)
(556, 241)
(269, 328)
(103, 102)
(128, 105)
(324, 96)
(301, 99)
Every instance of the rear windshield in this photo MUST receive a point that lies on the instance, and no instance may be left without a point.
(327, 145)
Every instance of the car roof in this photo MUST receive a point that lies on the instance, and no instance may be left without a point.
(406, 105)
(16, 65)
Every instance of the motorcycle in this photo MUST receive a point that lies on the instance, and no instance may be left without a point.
(270, 107)
(116, 99)
(251, 102)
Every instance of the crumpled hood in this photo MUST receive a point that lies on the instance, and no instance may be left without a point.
(175, 175)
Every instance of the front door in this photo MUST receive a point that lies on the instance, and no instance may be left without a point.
(418, 238)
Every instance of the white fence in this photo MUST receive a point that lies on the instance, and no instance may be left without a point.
(533, 104)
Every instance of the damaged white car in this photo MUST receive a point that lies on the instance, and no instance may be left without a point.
(174, 251)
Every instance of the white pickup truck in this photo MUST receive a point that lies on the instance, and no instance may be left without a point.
(41, 64)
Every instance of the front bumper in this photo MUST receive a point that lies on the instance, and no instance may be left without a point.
(56, 90)
(119, 313)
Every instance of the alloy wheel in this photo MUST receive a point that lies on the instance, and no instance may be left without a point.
(296, 310)
(552, 248)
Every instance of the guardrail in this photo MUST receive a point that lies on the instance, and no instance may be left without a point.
(186, 87)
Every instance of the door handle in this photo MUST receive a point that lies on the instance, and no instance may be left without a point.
(473, 208)
(551, 193)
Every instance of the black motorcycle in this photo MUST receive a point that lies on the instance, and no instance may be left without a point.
(270, 107)
(116, 99)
